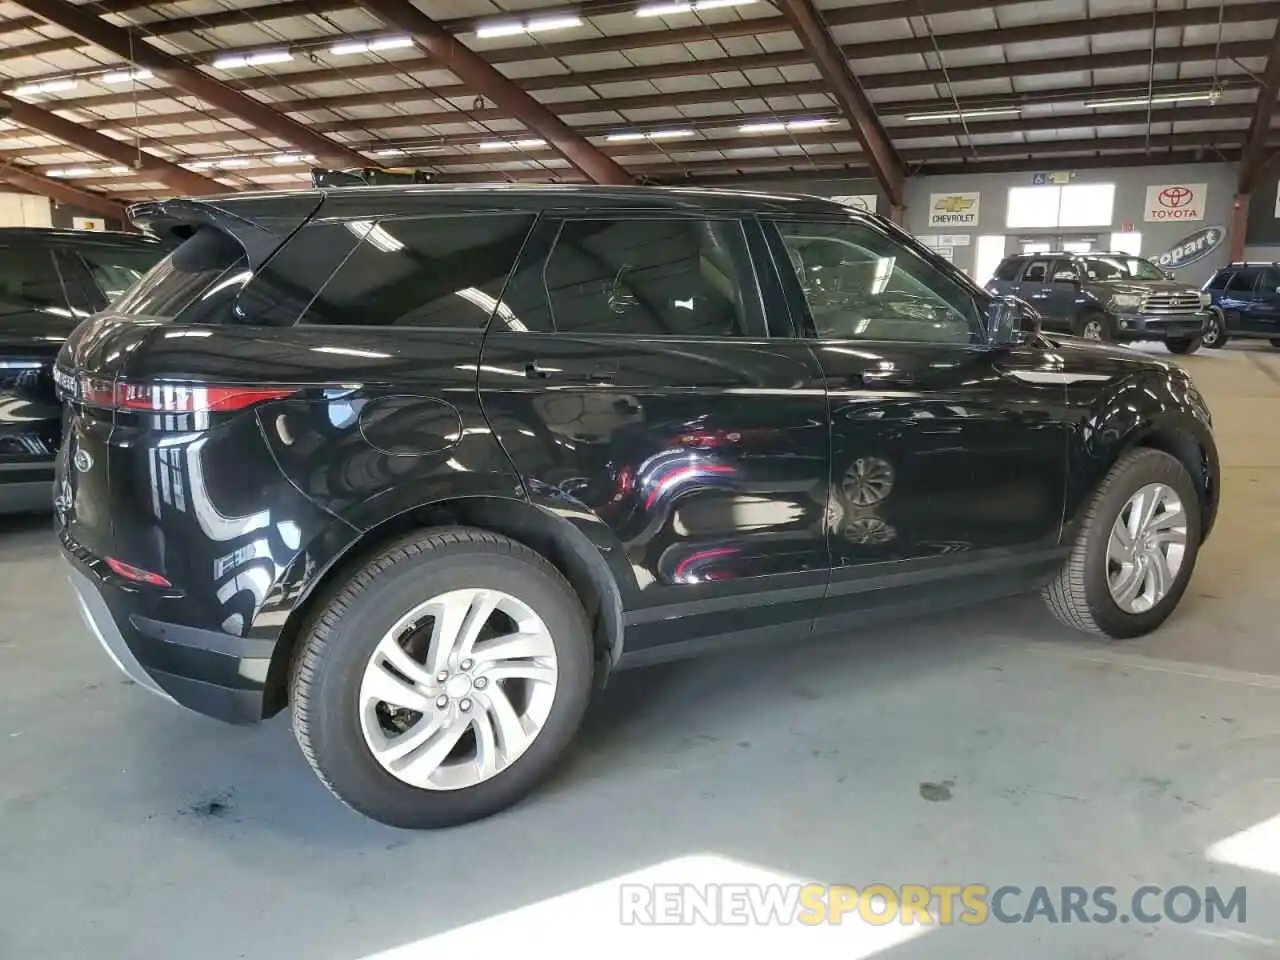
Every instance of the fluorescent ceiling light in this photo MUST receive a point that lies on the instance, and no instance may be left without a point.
(508, 28)
(48, 86)
(230, 162)
(293, 158)
(71, 172)
(125, 76)
(371, 46)
(388, 152)
(665, 9)
(1145, 101)
(777, 126)
(653, 135)
(966, 114)
(233, 60)
(199, 164)
(118, 171)
(512, 144)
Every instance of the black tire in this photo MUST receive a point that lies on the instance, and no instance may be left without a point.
(1183, 347)
(344, 633)
(1088, 318)
(1215, 331)
(1079, 595)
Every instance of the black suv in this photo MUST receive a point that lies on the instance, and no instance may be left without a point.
(50, 280)
(1246, 304)
(1106, 296)
(426, 464)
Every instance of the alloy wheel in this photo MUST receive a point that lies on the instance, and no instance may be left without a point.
(458, 689)
(1146, 548)
(1212, 330)
(1092, 329)
(868, 481)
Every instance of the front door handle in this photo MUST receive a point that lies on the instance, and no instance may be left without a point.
(602, 373)
(889, 375)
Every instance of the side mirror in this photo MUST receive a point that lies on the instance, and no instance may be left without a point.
(1010, 320)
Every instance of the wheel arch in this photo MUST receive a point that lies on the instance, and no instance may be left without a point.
(558, 540)
(1182, 437)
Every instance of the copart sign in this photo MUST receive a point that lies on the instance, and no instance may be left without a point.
(953, 210)
(1175, 201)
(1192, 248)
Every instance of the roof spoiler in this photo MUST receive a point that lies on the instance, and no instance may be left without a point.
(260, 224)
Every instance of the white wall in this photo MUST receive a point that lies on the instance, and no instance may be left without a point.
(1130, 200)
(25, 210)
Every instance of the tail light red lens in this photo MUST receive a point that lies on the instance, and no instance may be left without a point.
(175, 397)
(136, 574)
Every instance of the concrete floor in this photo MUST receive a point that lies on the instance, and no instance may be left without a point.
(131, 829)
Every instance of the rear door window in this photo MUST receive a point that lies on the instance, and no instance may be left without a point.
(1063, 271)
(29, 283)
(1242, 281)
(191, 273)
(1037, 272)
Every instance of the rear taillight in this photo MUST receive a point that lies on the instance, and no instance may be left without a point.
(174, 397)
(136, 574)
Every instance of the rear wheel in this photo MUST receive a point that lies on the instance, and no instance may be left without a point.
(1190, 345)
(1135, 551)
(1094, 325)
(444, 680)
(1215, 331)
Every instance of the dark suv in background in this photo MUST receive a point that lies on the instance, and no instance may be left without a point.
(427, 464)
(1246, 303)
(50, 280)
(1106, 296)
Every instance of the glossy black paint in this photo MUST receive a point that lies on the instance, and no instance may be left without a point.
(693, 490)
(30, 337)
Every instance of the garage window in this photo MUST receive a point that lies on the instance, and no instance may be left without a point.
(1077, 205)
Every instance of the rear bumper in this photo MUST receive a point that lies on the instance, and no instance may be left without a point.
(207, 671)
(1138, 326)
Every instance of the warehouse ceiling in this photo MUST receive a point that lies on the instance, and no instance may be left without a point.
(132, 100)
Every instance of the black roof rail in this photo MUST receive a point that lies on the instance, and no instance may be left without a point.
(368, 177)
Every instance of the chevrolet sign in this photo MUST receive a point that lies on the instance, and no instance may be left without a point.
(953, 210)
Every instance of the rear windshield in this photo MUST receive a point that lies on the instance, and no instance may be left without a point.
(204, 264)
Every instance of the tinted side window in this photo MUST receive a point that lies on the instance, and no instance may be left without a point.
(1269, 282)
(29, 282)
(1009, 270)
(116, 270)
(1063, 271)
(1037, 270)
(860, 283)
(1242, 281)
(441, 272)
(648, 277)
(185, 275)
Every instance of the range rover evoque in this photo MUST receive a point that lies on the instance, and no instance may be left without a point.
(427, 464)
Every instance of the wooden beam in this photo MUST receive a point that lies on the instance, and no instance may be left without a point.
(131, 46)
(63, 192)
(473, 69)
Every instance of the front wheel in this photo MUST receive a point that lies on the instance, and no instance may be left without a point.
(1189, 345)
(1095, 326)
(444, 680)
(1215, 331)
(1135, 550)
